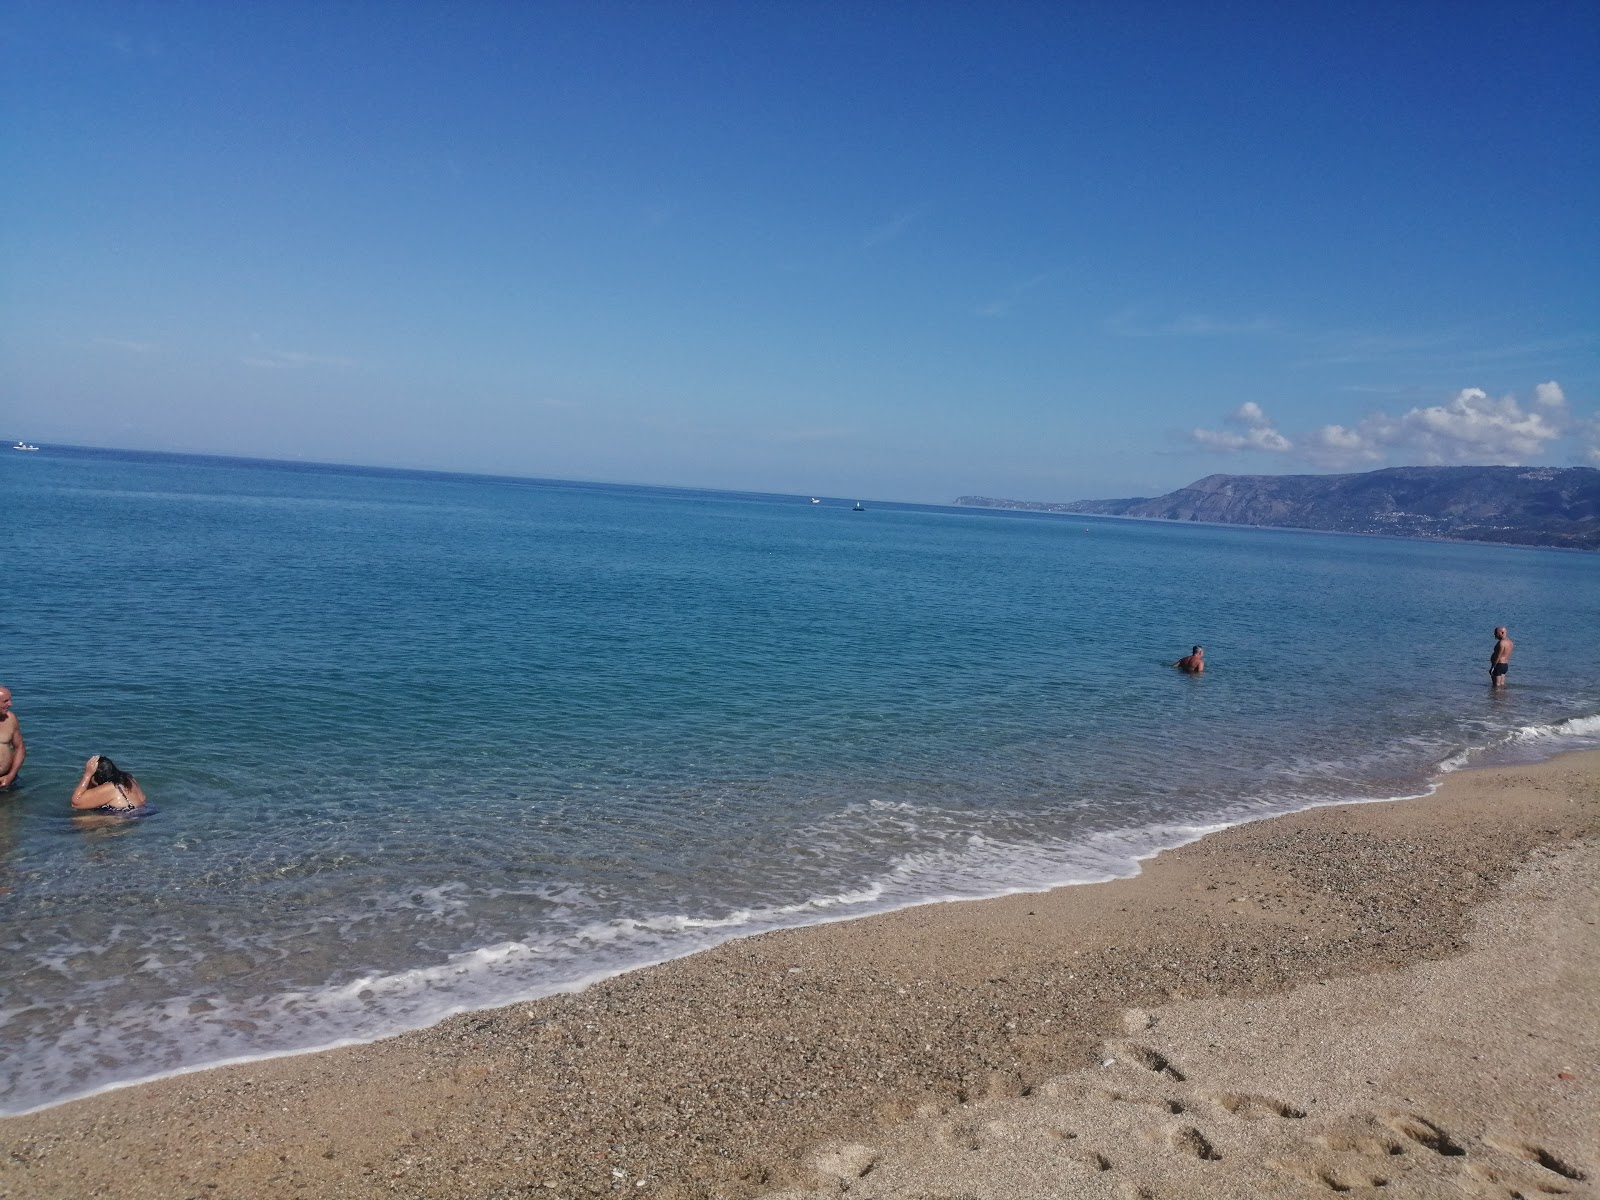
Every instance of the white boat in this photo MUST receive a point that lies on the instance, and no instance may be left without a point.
(814, 500)
(24, 446)
(858, 507)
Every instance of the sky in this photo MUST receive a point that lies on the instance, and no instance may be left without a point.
(896, 251)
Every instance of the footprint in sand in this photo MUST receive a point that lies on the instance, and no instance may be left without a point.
(1146, 1056)
(1409, 1144)
(1539, 1156)
(844, 1163)
(1424, 1132)
(1191, 1141)
(1247, 1104)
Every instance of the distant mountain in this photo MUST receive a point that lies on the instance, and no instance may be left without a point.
(1525, 506)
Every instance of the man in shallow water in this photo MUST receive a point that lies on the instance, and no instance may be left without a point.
(12, 749)
(1500, 657)
(1193, 662)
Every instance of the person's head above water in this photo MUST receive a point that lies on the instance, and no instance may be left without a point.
(106, 771)
(1198, 650)
(1499, 631)
(5, 698)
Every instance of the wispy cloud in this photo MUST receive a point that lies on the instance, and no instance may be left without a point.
(806, 437)
(1002, 305)
(1449, 348)
(1129, 323)
(294, 360)
(126, 345)
(135, 47)
(894, 226)
(1434, 350)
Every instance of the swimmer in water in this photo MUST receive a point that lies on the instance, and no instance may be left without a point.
(12, 749)
(106, 787)
(1500, 657)
(1193, 662)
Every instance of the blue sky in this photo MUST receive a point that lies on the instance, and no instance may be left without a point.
(897, 251)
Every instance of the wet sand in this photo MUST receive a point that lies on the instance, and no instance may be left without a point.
(1416, 979)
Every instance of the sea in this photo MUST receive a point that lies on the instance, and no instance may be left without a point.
(420, 743)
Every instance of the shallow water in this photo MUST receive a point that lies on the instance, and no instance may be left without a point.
(424, 743)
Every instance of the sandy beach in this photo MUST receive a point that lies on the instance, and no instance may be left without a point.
(1386, 999)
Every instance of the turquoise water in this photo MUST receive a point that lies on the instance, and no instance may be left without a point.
(423, 743)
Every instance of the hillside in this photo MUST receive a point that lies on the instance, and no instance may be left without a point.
(1529, 506)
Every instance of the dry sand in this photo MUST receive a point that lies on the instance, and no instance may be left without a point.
(1417, 979)
(1472, 1076)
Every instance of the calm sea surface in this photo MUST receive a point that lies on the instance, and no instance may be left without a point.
(425, 743)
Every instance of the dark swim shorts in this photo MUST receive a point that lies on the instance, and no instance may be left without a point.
(1499, 669)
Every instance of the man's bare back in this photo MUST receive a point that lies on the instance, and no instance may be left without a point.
(12, 748)
(1500, 657)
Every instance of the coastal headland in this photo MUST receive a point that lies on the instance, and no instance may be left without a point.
(1518, 506)
(1382, 999)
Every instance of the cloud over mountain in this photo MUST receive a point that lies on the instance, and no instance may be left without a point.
(1257, 433)
(1470, 427)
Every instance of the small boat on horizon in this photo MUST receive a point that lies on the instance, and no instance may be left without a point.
(24, 446)
(814, 500)
(858, 507)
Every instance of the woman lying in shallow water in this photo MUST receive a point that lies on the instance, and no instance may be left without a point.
(105, 787)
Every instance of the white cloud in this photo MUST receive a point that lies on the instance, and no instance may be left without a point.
(1258, 434)
(1335, 446)
(1549, 395)
(1470, 427)
(1475, 428)
(1589, 431)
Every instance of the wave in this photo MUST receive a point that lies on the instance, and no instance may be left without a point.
(135, 1043)
(1577, 732)
(1584, 727)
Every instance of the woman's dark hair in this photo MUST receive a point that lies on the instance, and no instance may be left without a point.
(106, 771)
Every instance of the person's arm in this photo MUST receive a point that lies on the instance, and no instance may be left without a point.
(84, 796)
(19, 751)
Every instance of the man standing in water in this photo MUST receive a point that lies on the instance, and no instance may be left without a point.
(1500, 657)
(12, 750)
(1193, 662)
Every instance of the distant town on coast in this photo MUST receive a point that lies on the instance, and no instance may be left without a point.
(1522, 506)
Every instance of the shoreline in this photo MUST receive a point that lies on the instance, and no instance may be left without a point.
(710, 1075)
(1578, 726)
(1137, 859)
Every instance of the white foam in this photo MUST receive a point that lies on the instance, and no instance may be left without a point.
(1580, 727)
(119, 1046)
(1579, 730)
